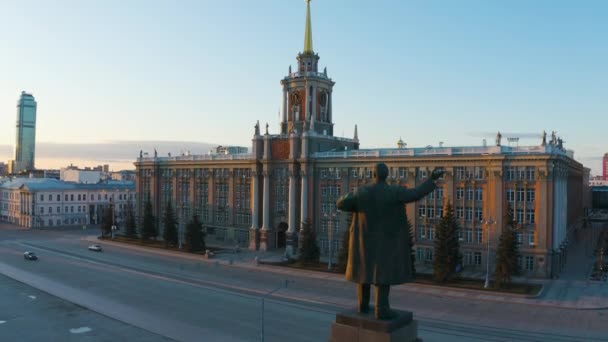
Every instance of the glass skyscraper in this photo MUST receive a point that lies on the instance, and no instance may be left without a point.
(26, 133)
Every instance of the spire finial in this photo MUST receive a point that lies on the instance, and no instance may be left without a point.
(308, 31)
(356, 133)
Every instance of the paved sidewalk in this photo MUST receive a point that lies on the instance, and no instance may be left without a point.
(582, 295)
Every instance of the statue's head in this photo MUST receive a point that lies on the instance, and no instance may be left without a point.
(380, 172)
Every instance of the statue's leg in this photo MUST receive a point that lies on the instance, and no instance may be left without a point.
(363, 291)
(382, 308)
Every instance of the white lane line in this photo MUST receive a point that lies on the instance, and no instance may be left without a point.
(2, 322)
(80, 330)
(32, 297)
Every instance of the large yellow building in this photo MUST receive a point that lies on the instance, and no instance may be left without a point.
(260, 200)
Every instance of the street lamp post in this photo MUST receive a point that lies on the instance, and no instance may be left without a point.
(488, 222)
(180, 226)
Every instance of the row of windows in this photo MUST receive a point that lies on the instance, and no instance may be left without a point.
(471, 194)
(83, 197)
(473, 258)
(520, 173)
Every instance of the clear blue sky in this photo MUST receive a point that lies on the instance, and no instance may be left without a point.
(205, 71)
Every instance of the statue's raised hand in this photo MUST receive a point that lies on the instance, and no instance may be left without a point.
(437, 173)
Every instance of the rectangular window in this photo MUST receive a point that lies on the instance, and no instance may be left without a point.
(530, 173)
(440, 212)
(510, 195)
(72, 197)
(58, 210)
(520, 216)
(459, 212)
(459, 193)
(477, 256)
(402, 172)
(421, 234)
(510, 173)
(467, 258)
(431, 233)
(422, 173)
(430, 212)
(421, 211)
(419, 254)
(50, 210)
(530, 195)
(530, 263)
(42, 210)
(468, 214)
(368, 174)
(58, 198)
(470, 194)
(459, 233)
(478, 214)
(478, 172)
(354, 173)
(84, 197)
(468, 235)
(41, 198)
(50, 197)
(530, 216)
(479, 194)
(459, 172)
(531, 239)
(478, 235)
(439, 193)
(521, 173)
(519, 237)
(79, 197)
(520, 194)
(429, 254)
(72, 209)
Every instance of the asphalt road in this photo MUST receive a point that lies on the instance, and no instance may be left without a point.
(188, 300)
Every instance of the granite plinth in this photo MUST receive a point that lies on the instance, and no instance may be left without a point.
(351, 326)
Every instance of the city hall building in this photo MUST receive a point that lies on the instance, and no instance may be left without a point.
(261, 199)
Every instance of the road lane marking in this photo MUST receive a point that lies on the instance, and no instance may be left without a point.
(2, 322)
(80, 330)
(32, 297)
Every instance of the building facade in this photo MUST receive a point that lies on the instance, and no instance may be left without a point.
(605, 167)
(294, 177)
(25, 146)
(47, 202)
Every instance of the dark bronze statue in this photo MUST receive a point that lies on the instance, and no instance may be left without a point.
(379, 246)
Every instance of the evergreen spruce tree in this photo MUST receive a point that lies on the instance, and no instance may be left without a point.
(410, 230)
(506, 253)
(106, 222)
(343, 253)
(170, 226)
(195, 237)
(148, 229)
(309, 251)
(447, 248)
(130, 224)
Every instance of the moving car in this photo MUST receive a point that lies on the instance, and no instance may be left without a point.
(29, 256)
(95, 248)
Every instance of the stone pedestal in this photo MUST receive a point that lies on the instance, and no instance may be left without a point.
(267, 239)
(351, 326)
(254, 239)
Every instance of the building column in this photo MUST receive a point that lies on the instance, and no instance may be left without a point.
(266, 213)
(313, 110)
(291, 230)
(255, 225)
(304, 200)
(284, 114)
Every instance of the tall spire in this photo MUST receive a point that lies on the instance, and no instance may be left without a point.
(308, 31)
(356, 134)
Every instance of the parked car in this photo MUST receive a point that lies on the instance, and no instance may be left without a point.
(30, 256)
(95, 248)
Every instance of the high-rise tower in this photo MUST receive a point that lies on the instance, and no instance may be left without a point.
(307, 92)
(25, 146)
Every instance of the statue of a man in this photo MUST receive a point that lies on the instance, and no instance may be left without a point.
(498, 138)
(544, 143)
(379, 246)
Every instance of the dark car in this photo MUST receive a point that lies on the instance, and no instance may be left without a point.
(30, 256)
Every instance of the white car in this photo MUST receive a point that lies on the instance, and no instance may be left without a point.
(95, 248)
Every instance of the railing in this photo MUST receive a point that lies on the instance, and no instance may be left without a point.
(194, 157)
(307, 73)
(443, 151)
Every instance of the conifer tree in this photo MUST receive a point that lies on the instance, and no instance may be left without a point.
(170, 226)
(447, 248)
(309, 250)
(343, 253)
(130, 225)
(107, 221)
(506, 253)
(195, 236)
(410, 230)
(148, 229)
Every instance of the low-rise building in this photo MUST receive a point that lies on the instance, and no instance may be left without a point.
(47, 202)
